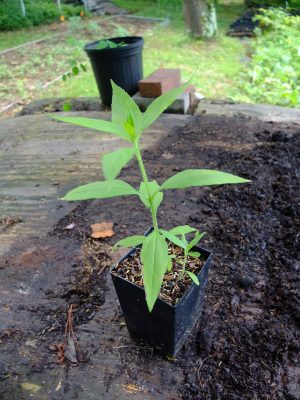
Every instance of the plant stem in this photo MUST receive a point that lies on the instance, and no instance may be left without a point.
(145, 179)
(184, 264)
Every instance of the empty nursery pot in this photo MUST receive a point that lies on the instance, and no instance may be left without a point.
(167, 326)
(124, 65)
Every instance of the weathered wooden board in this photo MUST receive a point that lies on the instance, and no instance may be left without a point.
(40, 159)
(261, 112)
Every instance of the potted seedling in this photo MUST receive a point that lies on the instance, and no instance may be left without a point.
(119, 59)
(160, 282)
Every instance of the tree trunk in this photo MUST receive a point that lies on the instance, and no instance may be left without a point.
(23, 8)
(200, 18)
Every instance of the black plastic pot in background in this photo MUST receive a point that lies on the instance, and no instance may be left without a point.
(166, 326)
(124, 65)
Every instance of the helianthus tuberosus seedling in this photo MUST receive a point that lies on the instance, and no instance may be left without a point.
(128, 123)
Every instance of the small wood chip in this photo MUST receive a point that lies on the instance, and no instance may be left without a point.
(102, 230)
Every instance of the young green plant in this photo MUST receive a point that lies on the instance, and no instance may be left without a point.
(128, 123)
(172, 236)
(109, 44)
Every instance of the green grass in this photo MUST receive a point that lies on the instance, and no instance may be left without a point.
(215, 64)
(15, 38)
(154, 8)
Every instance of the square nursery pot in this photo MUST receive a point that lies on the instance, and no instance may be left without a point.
(167, 326)
(124, 65)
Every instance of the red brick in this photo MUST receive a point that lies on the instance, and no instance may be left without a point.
(159, 82)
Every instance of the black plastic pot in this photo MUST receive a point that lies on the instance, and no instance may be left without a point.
(124, 65)
(166, 326)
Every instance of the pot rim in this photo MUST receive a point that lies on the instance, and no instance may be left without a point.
(133, 250)
(131, 42)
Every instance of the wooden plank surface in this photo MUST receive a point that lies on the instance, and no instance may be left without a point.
(261, 112)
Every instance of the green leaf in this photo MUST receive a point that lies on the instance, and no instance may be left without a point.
(155, 260)
(200, 177)
(130, 241)
(193, 277)
(197, 238)
(111, 44)
(83, 67)
(157, 199)
(183, 238)
(102, 45)
(100, 190)
(72, 63)
(160, 104)
(67, 107)
(194, 254)
(169, 267)
(125, 112)
(75, 70)
(182, 230)
(112, 163)
(156, 196)
(172, 238)
(96, 124)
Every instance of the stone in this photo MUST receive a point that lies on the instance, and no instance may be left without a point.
(180, 106)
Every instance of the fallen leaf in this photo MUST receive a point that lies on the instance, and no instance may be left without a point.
(58, 387)
(70, 350)
(60, 348)
(102, 230)
(70, 226)
(132, 388)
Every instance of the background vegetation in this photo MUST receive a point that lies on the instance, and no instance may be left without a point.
(37, 12)
(274, 3)
(216, 63)
(273, 74)
(265, 69)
